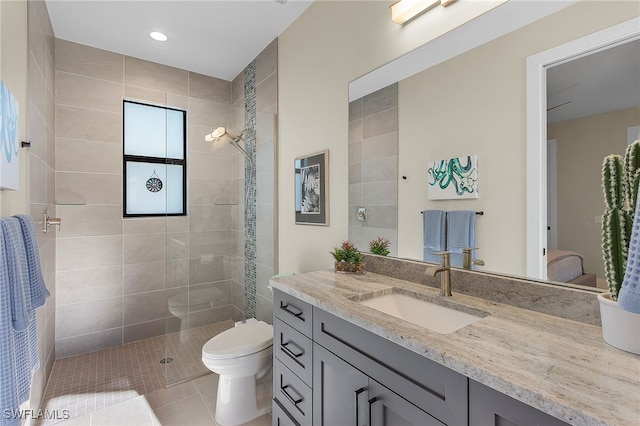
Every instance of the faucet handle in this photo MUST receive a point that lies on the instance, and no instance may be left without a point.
(445, 257)
(467, 258)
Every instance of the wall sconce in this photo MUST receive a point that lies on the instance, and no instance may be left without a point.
(404, 11)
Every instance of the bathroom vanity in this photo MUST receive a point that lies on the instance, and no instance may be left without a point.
(338, 361)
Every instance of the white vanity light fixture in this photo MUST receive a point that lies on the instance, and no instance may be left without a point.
(404, 11)
(158, 36)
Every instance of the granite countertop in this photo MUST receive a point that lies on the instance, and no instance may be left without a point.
(558, 366)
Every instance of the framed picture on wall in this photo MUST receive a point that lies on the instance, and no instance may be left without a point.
(312, 191)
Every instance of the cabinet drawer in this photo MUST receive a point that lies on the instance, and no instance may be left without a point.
(432, 387)
(292, 394)
(279, 416)
(293, 311)
(294, 350)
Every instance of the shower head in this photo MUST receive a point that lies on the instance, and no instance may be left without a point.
(234, 140)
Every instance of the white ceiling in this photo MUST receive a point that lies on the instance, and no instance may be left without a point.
(211, 37)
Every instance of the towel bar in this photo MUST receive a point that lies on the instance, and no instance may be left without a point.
(480, 213)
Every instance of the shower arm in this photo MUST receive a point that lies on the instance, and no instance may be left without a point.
(235, 141)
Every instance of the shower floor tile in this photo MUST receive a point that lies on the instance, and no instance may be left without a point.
(85, 383)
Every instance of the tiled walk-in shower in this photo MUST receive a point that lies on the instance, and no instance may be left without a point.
(84, 383)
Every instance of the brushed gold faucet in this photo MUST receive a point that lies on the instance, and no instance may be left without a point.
(444, 269)
(467, 258)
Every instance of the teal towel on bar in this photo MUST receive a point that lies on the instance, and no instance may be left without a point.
(434, 234)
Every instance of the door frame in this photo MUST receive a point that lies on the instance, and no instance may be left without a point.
(537, 130)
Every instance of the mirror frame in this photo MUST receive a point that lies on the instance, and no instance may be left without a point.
(537, 129)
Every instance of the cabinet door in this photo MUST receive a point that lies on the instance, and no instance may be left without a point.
(339, 391)
(387, 408)
(488, 407)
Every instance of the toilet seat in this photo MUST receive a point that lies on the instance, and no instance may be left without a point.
(245, 339)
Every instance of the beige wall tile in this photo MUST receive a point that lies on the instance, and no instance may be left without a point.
(207, 243)
(88, 342)
(90, 220)
(37, 133)
(177, 101)
(265, 128)
(264, 251)
(87, 285)
(86, 92)
(144, 277)
(208, 113)
(355, 110)
(265, 157)
(381, 123)
(265, 188)
(144, 307)
(86, 156)
(177, 273)
(208, 316)
(141, 94)
(237, 88)
(382, 216)
(267, 61)
(88, 61)
(177, 245)
(379, 170)
(380, 193)
(210, 166)
(145, 225)
(267, 93)
(380, 100)
(209, 218)
(88, 252)
(86, 124)
(207, 269)
(211, 295)
(88, 317)
(212, 191)
(149, 329)
(265, 223)
(385, 145)
(82, 188)
(37, 180)
(209, 88)
(138, 72)
(141, 248)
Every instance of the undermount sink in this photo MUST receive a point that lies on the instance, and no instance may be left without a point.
(431, 316)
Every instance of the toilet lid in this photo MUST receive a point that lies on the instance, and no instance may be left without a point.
(244, 339)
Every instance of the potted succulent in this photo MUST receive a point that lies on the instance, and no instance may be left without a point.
(348, 258)
(620, 181)
(379, 246)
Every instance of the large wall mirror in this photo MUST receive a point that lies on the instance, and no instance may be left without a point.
(481, 102)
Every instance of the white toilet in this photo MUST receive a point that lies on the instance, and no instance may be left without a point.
(241, 356)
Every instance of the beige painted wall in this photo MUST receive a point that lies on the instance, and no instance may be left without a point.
(331, 44)
(582, 145)
(13, 72)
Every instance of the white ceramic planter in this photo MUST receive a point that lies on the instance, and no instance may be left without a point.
(620, 328)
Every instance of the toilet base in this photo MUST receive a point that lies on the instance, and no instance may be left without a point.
(237, 400)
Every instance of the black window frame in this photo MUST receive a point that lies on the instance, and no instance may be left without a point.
(159, 160)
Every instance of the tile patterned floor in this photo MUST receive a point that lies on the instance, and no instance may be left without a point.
(85, 383)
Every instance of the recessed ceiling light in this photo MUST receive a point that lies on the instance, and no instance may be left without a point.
(157, 36)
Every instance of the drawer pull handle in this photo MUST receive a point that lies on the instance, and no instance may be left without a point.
(371, 402)
(290, 309)
(357, 394)
(289, 397)
(292, 354)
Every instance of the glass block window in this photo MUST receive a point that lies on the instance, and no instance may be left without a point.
(155, 168)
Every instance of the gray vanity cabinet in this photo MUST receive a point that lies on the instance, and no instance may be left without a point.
(488, 407)
(345, 396)
(340, 395)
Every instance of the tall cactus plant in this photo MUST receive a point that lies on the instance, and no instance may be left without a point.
(620, 180)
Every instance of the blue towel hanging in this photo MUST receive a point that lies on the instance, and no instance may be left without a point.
(433, 234)
(461, 233)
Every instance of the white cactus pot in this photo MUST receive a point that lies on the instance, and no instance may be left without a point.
(620, 328)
